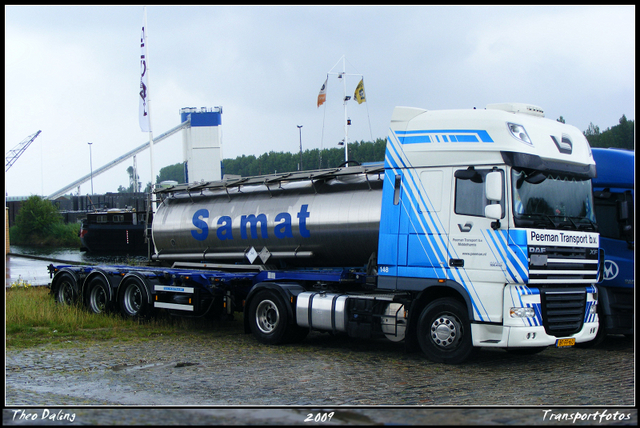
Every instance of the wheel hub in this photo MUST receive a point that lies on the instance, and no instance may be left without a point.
(267, 316)
(65, 293)
(133, 299)
(445, 331)
(98, 300)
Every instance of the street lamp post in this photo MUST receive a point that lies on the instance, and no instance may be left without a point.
(91, 166)
(300, 129)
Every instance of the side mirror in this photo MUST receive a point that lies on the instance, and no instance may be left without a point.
(493, 186)
(493, 211)
(623, 210)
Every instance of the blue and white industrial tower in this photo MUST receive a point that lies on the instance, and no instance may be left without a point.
(201, 142)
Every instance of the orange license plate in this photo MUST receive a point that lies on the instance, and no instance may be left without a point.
(560, 343)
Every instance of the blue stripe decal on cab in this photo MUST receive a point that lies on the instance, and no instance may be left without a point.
(447, 135)
(415, 139)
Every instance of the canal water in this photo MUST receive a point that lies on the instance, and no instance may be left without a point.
(29, 264)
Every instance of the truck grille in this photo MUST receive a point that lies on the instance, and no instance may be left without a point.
(563, 264)
(563, 310)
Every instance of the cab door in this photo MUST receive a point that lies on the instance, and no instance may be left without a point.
(478, 247)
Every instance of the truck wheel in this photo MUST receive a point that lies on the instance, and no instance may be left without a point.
(268, 318)
(97, 300)
(66, 291)
(444, 332)
(134, 300)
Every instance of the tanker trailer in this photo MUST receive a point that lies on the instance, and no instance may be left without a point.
(312, 219)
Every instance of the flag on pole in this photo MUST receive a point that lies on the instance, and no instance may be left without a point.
(359, 93)
(143, 109)
(322, 96)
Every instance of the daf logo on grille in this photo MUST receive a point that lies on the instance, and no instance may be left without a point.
(537, 250)
(611, 270)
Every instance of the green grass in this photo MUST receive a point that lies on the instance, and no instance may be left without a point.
(33, 318)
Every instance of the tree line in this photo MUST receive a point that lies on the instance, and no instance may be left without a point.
(274, 162)
(619, 136)
(39, 224)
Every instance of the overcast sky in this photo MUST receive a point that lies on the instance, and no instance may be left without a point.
(73, 72)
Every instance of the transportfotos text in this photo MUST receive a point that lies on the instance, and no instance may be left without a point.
(597, 416)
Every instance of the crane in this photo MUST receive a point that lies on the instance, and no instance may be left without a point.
(13, 154)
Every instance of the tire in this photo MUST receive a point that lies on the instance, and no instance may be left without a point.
(66, 291)
(97, 299)
(269, 319)
(134, 299)
(444, 332)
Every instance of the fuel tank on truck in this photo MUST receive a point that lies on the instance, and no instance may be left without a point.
(313, 219)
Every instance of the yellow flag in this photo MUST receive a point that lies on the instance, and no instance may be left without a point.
(359, 94)
(322, 96)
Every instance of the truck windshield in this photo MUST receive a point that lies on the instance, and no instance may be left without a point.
(552, 201)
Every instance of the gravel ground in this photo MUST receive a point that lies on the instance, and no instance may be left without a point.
(229, 378)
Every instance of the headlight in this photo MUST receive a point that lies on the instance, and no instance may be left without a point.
(522, 313)
(519, 132)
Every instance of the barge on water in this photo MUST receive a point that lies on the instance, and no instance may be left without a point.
(116, 230)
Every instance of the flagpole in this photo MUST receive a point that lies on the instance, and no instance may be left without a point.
(359, 97)
(145, 122)
(346, 98)
(153, 200)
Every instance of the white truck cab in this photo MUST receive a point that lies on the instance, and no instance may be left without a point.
(492, 206)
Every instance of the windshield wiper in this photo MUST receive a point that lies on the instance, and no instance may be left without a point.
(563, 223)
(555, 221)
(591, 225)
(534, 220)
(549, 217)
(576, 226)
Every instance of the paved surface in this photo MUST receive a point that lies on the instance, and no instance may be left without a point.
(250, 383)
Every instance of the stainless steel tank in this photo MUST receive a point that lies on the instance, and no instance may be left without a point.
(321, 218)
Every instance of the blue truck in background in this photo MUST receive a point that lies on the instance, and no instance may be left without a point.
(614, 203)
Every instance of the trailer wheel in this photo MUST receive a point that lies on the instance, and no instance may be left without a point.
(268, 318)
(66, 290)
(134, 300)
(97, 300)
(444, 331)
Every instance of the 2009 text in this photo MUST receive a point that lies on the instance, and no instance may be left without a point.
(319, 417)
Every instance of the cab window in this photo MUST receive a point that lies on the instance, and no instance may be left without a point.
(470, 196)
